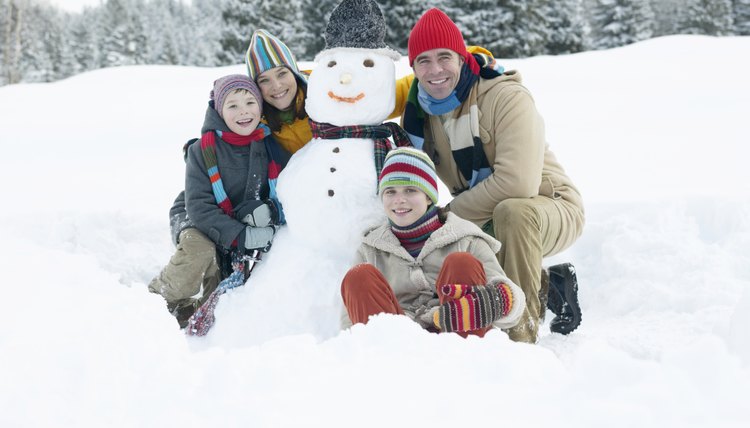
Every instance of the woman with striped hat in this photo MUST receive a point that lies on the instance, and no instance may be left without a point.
(284, 88)
(428, 264)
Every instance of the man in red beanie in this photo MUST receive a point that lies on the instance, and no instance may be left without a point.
(481, 127)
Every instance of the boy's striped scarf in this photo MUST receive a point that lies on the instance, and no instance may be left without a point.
(467, 153)
(378, 133)
(208, 149)
(413, 237)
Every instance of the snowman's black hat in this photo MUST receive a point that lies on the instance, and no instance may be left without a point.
(358, 24)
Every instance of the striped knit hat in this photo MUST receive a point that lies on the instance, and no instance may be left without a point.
(266, 52)
(224, 86)
(407, 166)
(435, 30)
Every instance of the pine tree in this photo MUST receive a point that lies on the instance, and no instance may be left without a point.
(82, 40)
(711, 17)
(285, 21)
(741, 9)
(666, 16)
(13, 19)
(400, 17)
(41, 46)
(568, 27)
(620, 22)
(508, 28)
(316, 14)
(203, 31)
(239, 19)
(122, 34)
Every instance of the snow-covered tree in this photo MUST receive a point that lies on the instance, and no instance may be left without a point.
(712, 17)
(83, 39)
(122, 41)
(400, 17)
(741, 14)
(239, 19)
(14, 14)
(566, 24)
(620, 22)
(666, 16)
(203, 31)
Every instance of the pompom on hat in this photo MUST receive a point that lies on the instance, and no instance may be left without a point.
(407, 166)
(224, 86)
(266, 52)
(435, 30)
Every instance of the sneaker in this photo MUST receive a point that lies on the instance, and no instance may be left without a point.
(563, 298)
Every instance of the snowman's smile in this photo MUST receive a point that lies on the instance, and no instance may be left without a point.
(350, 100)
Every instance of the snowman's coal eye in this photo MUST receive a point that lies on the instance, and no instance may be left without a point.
(368, 63)
(331, 64)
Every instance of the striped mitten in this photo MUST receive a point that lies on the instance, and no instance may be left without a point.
(472, 307)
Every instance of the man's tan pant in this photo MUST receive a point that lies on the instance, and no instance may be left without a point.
(531, 229)
(191, 273)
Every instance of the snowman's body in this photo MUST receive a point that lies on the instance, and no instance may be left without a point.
(329, 194)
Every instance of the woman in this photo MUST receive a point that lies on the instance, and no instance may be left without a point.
(430, 265)
(284, 88)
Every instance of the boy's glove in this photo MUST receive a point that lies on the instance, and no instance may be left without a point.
(258, 238)
(255, 213)
(471, 307)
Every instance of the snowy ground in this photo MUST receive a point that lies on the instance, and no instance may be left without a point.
(654, 134)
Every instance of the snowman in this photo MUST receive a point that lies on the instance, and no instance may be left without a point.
(328, 189)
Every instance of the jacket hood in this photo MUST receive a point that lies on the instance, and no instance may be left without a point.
(212, 121)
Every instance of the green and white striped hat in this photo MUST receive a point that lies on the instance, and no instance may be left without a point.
(407, 166)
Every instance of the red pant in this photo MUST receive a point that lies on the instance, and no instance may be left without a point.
(366, 291)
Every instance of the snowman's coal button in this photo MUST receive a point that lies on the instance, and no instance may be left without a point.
(333, 169)
(336, 150)
(330, 192)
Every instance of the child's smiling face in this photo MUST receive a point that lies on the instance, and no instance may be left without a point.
(241, 112)
(404, 205)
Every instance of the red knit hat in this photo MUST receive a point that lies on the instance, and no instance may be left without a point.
(435, 30)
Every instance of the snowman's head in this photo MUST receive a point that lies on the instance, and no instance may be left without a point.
(352, 86)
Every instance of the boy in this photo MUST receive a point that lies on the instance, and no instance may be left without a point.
(229, 196)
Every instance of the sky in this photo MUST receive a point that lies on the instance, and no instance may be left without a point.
(658, 150)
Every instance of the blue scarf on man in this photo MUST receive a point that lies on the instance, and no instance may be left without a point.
(471, 160)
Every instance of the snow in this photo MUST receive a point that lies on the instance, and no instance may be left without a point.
(654, 134)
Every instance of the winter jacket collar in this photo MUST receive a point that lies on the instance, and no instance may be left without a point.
(383, 239)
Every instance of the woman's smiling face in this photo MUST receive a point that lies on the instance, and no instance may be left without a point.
(278, 86)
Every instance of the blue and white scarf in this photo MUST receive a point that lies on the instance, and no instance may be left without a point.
(468, 152)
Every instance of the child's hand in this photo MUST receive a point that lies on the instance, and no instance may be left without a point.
(255, 213)
(470, 308)
(258, 238)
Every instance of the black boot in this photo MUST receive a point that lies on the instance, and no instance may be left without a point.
(563, 298)
(183, 310)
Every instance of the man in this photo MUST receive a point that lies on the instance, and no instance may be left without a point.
(481, 128)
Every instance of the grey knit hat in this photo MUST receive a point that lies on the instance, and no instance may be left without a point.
(358, 24)
(224, 86)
